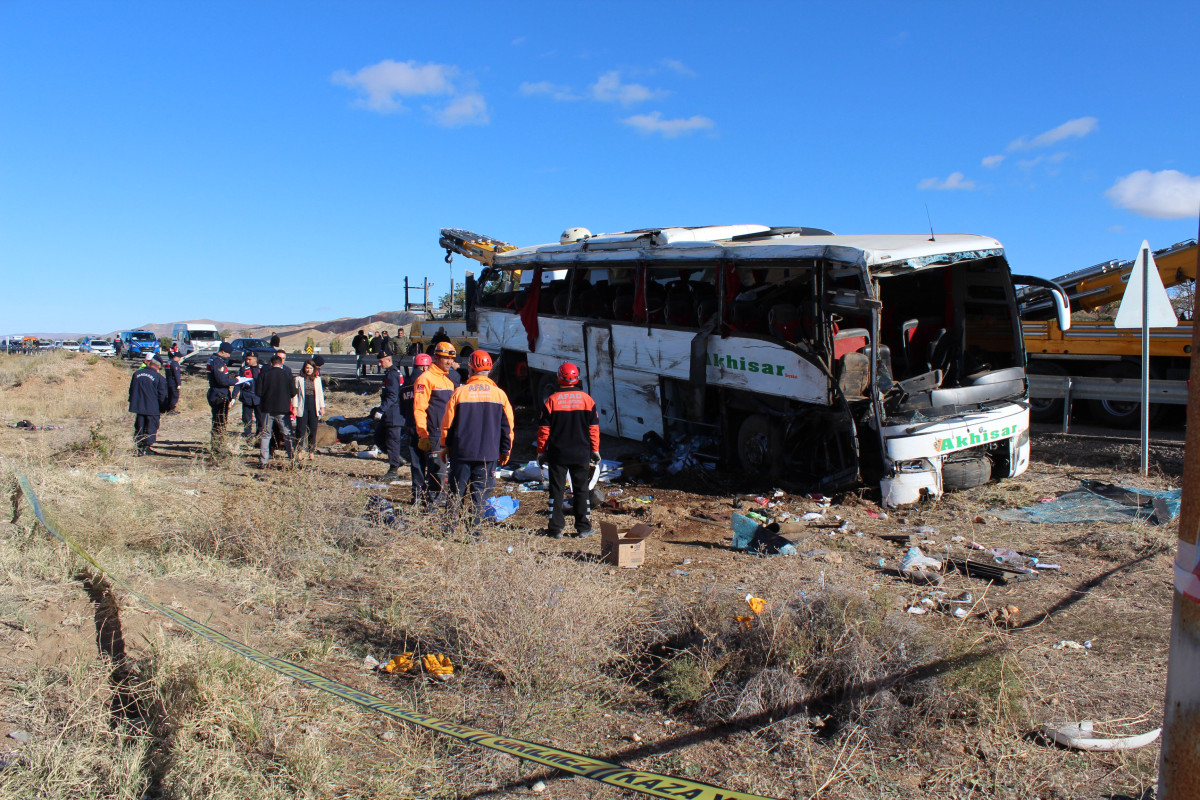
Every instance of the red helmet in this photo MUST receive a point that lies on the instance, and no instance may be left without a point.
(480, 361)
(568, 374)
(423, 360)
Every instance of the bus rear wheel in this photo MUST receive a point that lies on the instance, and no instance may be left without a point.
(757, 445)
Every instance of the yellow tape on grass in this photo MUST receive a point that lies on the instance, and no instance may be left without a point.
(592, 768)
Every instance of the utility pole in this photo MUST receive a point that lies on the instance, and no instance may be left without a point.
(1179, 768)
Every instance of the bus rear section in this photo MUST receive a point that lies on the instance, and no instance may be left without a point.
(789, 356)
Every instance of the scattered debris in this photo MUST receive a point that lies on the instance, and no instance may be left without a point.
(403, 663)
(1096, 501)
(1068, 644)
(990, 572)
(916, 566)
(438, 666)
(1077, 736)
(20, 736)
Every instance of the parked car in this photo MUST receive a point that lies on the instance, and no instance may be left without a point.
(72, 347)
(101, 347)
(135, 344)
(260, 347)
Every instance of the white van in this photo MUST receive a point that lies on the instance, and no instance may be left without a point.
(195, 337)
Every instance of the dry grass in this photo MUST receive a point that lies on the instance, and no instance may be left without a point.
(830, 692)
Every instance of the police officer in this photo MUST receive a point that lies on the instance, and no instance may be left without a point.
(431, 392)
(417, 458)
(569, 441)
(389, 416)
(147, 399)
(477, 432)
(252, 414)
(220, 381)
(174, 378)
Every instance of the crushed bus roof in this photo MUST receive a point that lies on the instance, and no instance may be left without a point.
(881, 253)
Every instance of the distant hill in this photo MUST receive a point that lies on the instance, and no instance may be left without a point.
(292, 335)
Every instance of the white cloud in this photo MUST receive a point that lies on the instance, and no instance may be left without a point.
(954, 181)
(1030, 163)
(1071, 129)
(1116, 228)
(555, 90)
(382, 87)
(466, 109)
(384, 83)
(679, 67)
(991, 162)
(1168, 194)
(609, 89)
(668, 128)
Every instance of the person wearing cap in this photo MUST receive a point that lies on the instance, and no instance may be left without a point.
(569, 441)
(147, 399)
(174, 376)
(431, 392)
(477, 433)
(220, 381)
(390, 418)
(417, 458)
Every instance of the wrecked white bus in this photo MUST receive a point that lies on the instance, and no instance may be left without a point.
(809, 359)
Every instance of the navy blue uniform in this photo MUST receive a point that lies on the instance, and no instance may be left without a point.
(417, 458)
(389, 434)
(174, 382)
(147, 399)
(220, 380)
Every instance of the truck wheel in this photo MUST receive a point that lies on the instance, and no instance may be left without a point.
(1044, 409)
(1117, 414)
(757, 445)
(966, 474)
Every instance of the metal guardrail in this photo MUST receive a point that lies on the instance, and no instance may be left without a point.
(1068, 389)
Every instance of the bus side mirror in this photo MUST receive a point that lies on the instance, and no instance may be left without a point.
(1058, 296)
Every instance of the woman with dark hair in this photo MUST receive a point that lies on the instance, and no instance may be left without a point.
(308, 405)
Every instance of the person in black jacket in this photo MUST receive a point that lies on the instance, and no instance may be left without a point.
(275, 389)
(220, 381)
(251, 404)
(174, 376)
(275, 340)
(147, 399)
(359, 345)
(375, 348)
(417, 458)
(389, 418)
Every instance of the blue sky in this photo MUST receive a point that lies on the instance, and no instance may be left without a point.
(276, 162)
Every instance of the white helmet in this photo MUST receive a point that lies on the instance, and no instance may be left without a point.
(572, 235)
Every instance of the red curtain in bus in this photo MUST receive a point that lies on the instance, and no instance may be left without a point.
(529, 311)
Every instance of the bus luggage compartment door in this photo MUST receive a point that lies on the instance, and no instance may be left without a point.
(600, 384)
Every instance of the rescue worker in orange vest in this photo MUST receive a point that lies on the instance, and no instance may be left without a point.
(477, 433)
(431, 392)
(569, 441)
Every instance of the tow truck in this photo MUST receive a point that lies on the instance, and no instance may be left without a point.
(1096, 349)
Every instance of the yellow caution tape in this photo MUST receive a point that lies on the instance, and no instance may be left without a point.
(608, 772)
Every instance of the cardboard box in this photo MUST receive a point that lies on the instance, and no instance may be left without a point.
(625, 547)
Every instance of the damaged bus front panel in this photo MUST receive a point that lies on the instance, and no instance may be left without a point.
(808, 359)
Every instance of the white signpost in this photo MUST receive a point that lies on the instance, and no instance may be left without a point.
(1146, 307)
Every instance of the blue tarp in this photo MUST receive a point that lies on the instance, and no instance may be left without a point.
(1095, 501)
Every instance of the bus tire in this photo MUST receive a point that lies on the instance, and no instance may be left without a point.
(757, 446)
(966, 474)
(1045, 409)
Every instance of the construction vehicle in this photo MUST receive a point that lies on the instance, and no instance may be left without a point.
(450, 323)
(791, 356)
(1095, 348)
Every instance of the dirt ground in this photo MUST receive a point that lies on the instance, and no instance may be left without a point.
(1113, 591)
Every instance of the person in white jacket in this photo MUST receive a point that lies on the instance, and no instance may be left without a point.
(308, 406)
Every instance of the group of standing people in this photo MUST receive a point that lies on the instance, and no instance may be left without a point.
(458, 433)
(279, 408)
(365, 345)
